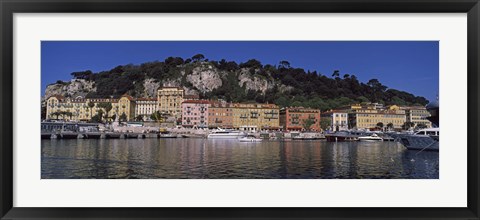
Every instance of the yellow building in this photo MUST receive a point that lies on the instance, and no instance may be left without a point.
(417, 115)
(170, 100)
(368, 116)
(253, 117)
(79, 109)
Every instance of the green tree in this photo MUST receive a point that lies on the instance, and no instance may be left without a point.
(56, 114)
(69, 115)
(284, 64)
(407, 125)
(139, 118)
(325, 123)
(390, 126)
(282, 101)
(123, 117)
(91, 105)
(307, 123)
(100, 114)
(107, 106)
(363, 99)
(96, 119)
(297, 104)
(380, 125)
(198, 57)
(336, 73)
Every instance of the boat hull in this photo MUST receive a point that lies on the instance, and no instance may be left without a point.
(250, 140)
(224, 136)
(369, 139)
(334, 138)
(419, 142)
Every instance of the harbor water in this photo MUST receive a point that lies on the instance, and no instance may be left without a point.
(196, 158)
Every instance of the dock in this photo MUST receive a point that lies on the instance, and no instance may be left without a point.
(97, 135)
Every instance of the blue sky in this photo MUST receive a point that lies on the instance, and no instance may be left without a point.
(411, 66)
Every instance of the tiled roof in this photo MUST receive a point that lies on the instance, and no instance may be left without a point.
(197, 101)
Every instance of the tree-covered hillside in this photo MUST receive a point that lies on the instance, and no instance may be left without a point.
(281, 83)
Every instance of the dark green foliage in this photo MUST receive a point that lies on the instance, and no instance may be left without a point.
(87, 75)
(380, 125)
(198, 58)
(305, 88)
(325, 123)
(123, 117)
(96, 119)
(251, 64)
(307, 123)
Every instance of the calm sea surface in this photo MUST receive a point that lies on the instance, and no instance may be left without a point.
(219, 159)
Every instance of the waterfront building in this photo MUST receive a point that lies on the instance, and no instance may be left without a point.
(338, 119)
(195, 113)
(370, 115)
(220, 115)
(298, 119)
(124, 105)
(170, 100)
(417, 115)
(78, 109)
(255, 116)
(145, 107)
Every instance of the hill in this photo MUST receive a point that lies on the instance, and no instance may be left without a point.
(250, 81)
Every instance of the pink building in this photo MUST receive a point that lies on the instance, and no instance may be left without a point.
(195, 113)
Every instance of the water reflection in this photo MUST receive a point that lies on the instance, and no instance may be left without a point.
(218, 159)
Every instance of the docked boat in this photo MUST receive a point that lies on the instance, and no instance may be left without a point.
(424, 139)
(249, 138)
(167, 135)
(309, 136)
(342, 136)
(373, 137)
(68, 135)
(193, 136)
(112, 135)
(225, 134)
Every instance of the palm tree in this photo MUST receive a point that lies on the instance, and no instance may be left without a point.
(100, 114)
(107, 106)
(69, 114)
(91, 105)
(55, 114)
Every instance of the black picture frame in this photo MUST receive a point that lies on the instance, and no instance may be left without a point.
(9, 7)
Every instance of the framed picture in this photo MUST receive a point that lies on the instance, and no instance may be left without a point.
(231, 109)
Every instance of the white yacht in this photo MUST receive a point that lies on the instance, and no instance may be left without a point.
(373, 137)
(424, 139)
(225, 134)
(249, 138)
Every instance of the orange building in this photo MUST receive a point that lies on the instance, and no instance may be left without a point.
(298, 118)
(220, 115)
